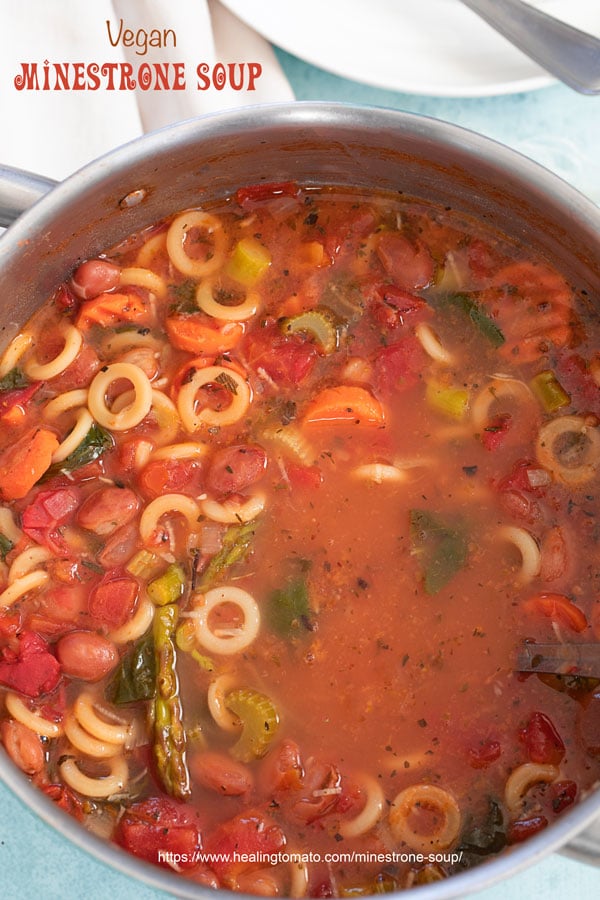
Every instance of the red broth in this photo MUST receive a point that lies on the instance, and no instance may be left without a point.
(286, 485)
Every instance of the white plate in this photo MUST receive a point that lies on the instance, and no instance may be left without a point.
(432, 47)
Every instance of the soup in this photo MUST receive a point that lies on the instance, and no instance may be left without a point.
(289, 484)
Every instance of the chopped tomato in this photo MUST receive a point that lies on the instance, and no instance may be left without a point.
(525, 828)
(10, 624)
(408, 262)
(32, 670)
(494, 433)
(286, 359)
(577, 380)
(543, 743)
(394, 307)
(398, 366)
(237, 841)
(484, 754)
(156, 828)
(563, 795)
(303, 476)
(60, 609)
(113, 601)
(524, 476)
(17, 400)
(41, 520)
(65, 799)
(558, 608)
(79, 373)
(166, 476)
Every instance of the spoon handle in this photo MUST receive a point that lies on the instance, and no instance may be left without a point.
(573, 56)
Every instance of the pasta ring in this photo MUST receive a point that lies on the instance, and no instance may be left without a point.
(73, 340)
(135, 411)
(234, 313)
(177, 233)
(428, 796)
(231, 643)
(186, 400)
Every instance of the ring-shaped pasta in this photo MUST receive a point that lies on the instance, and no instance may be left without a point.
(425, 796)
(182, 450)
(498, 389)
(168, 504)
(144, 278)
(371, 812)
(135, 411)
(99, 788)
(64, 403)
(165, 412)
(237, 386)
(522, 779)
(27, 561)
(176, 238)
(85, 713)
(32, 719)
(526, 544)
(83, 423)
(137, 626)
(379, 473)
(154, 245)
(559, 428)
(130, 340)
(87, 743)
(233, 641)
(299, 877)
(432, 345)
(215, 698)
(8, 526)
(233, 511)
(238, 312)
(14, 352)
(30, 582)
(73, 340)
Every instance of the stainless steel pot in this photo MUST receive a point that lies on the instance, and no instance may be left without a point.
(313, 143)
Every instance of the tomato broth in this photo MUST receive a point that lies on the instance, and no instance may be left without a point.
(288, 483)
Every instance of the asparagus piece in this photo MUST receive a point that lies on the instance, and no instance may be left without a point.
(169, 733)
(236, 544)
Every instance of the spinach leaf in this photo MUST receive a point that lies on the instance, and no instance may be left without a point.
(288, 609)
(441, 550)
(5, 546)
(13, 380)
(94, 444)
(135, 679)
(482, 321)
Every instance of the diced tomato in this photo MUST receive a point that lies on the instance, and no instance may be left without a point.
(10, 624)
(79, 373)
(523, 477)
(61, 608)
(256, 194)
(575, 377)
(494, 433)
(558, 608)
(408, 262)
(563, 795)
(32, 670)
(235, 468)
(156, 828)
(66, 300)
(286, 359)
(41, 520)
(482, 261)
(246, 837)
(398, 367)
(526, 828)
(113, 601)
(304, 476)
(65, 799)
(19, 397)
(346, 231)
(484, 754)
(166, 476)
(543, 743)
(282, 768)
(394, 307)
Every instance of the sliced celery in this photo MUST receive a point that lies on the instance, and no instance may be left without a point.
(452, 402)
(549, 391)
(249, 260)
(260, 722)
(319, 324)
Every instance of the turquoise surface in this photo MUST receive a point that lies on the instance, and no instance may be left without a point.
(553, 126)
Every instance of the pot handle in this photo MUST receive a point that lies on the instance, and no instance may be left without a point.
(18, 191)
(585, 846)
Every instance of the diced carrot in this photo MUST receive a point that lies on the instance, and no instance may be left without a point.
(193, 334)
(24, 463)
(344, 405)
(114, 308)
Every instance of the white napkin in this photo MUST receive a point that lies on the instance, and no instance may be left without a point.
(55, 132)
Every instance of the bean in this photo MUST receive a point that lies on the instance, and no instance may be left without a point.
(23, 746)
(93, 277)
(107, 509)
(218, 772)
(86, 655)
(235, 468)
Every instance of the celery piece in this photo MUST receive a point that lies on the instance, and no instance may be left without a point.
(260, 722)
(168, 587)
(440, 549)
(482, 321)
(143, 564)
(452, 402)
(549, 391)
(319, 324)
(249, 260)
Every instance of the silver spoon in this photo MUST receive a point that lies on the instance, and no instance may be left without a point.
(571, 55)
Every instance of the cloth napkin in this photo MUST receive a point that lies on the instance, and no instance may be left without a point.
(53, 133)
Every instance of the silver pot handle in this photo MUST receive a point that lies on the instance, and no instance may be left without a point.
(585, 846)
(18, 191)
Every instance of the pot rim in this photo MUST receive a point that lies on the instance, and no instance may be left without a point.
(497, 158)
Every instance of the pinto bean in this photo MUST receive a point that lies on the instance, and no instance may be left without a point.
(119, 547)
(95, 276)
(107, 509)
(218, 772)
(86, 655)
(237, 467)
(24, 746)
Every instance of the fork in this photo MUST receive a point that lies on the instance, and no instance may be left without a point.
(571, 55)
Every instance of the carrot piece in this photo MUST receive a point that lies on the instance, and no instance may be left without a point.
(112, 309)
(24, 463)
(344, 405)
(193, 334)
